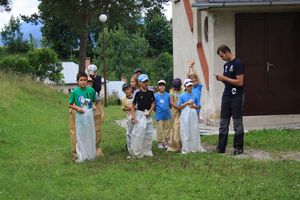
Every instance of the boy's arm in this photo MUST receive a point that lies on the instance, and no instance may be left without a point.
(182, 106)
(191, 65)
(196, 104)
(74, 107)
(172, 102)
(133, 113)
(124, 106)
(152, 106)
(151, 109)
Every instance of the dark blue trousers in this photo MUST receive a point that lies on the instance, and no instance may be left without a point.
(232, 106)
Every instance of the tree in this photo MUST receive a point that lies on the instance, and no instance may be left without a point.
(162, 68)
(124, 52)
(79, 15)
(158, 32)
(5, 5)
(45, 64)
(41, 64)
(12, 37)
(59, 37)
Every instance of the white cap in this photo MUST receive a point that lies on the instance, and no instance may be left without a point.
(91, 69)
(187, 82)
(161, 81)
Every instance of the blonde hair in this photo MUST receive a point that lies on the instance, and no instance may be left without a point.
(135, 78)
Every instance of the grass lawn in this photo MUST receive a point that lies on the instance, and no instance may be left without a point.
(35, 159)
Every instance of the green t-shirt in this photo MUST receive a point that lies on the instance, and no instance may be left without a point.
(83, 96)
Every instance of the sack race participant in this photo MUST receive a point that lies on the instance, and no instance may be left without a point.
(126, 107)
(98, 112)
(189, 131)
(81, 100)
(142, 107)
(175, 93)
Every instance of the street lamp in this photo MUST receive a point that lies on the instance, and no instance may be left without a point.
(103, 19)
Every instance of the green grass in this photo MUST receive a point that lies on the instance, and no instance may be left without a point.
(272, 140)
(35, 159)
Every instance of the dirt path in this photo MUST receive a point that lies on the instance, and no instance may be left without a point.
(259, 154)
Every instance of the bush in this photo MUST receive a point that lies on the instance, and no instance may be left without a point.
(41, 64)
(16, 64)
(113, 100)
(45, 64)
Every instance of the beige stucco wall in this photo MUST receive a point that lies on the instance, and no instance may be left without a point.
(185, 48)
(221, 30)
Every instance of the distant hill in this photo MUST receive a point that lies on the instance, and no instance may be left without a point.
(26, 29)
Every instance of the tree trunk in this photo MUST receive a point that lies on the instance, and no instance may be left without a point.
(83, 40)
(82, 50)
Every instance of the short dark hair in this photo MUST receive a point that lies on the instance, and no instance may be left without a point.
(81, 74)
(223, 48)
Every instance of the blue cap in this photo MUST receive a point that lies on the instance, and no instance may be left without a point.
(143, 78)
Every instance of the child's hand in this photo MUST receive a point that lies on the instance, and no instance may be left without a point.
(190, 102)
(133, 120)
(190, 63)
(147, 113)
(193, 106)
(79, 109)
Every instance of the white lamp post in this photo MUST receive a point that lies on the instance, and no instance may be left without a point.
(103, 19)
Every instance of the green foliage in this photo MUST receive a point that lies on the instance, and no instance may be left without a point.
(38, 63)
(35, 159)
(124, 52)
(45, 64)
(59, 37)
(5, 5)
(67, 22)
(162, 69)
(17, 64)
(113, 100)
(12, 37)
(158, 33)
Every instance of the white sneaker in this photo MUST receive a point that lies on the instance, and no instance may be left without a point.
(160, 146)
(149, 154)
(202, 150)
(183, 152)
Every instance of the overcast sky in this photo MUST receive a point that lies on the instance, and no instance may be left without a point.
(28, 7)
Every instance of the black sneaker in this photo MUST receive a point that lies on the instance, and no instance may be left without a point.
(218, 150)
(238, 151)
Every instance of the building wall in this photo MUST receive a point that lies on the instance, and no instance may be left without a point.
(185, 48)
(221, 30)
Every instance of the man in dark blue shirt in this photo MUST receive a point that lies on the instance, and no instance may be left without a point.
(232, 101)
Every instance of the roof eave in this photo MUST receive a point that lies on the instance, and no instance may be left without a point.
(207, 5)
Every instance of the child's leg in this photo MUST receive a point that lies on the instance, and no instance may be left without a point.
(159, 131)
(176, 141)
(148, 138)
(138, 135)
(85, 135)
(73, 134)
(166, 132)
(129, 134)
